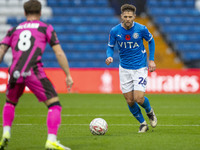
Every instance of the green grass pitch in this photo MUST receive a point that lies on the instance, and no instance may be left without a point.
(178, 123)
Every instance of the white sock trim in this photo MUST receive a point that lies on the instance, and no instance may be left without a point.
(143, 122)
(52, 137)
(6, 129)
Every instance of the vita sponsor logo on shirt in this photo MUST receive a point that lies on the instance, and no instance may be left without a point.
(129, 44)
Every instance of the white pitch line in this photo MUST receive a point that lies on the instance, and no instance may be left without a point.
(107, 115)
(194, 125)
(171, 125)
(161, 125)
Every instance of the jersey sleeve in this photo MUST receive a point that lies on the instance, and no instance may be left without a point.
(52, 36)
(112, 40)
(147, 35)
(7, 39)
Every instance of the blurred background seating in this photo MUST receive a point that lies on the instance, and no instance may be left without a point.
(179, 23)
(83, 27)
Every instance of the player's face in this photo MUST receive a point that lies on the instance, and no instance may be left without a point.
(127, 19)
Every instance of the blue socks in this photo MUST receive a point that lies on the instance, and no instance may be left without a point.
(146, 105)
(136, 111)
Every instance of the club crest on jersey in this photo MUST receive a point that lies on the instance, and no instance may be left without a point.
(135, 35)
(127, 37)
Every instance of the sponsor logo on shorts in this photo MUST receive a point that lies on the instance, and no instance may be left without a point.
(25, 74)
(16, 74)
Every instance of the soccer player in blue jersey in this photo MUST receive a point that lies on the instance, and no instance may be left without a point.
(133, 68)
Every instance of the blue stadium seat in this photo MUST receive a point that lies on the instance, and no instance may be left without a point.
(179, 22)
(86, 56)
(158, 11)
(64, 3)
(184, 38)
(190, 56)
(83, 29)
(82, 38)
(82, 11)
(182, 47)
(93, 64)
(51, 63)
(83, 20)
(170, 3)
(91, 20)
(83, 32)
(3, 65)
(84, 47)
(180, 29)
(49, 55)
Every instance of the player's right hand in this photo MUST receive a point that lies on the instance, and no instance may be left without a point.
(69, 83)
(109, 60)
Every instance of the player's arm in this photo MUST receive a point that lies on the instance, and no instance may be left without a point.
(148, 37)
(152, 65)
(110, 49)
(109, 53)
(3, 50)
(63, 62)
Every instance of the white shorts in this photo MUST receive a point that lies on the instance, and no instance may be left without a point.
(131, 80)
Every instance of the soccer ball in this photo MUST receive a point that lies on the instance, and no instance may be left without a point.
(98, 126)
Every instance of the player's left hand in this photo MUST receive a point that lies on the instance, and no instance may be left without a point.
(69, 83)
(152, 66)
(109, 60)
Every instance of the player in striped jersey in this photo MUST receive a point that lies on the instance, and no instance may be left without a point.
(28, 41)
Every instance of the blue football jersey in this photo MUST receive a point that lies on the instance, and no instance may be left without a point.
(132, 53)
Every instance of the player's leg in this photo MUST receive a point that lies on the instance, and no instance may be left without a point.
(140, 87)
(45, 92)
(53, 123)
(144, 102)
(126, 82)
(13, 94)
(53, 118)
(136, 111)
(150, 112)
(141, 100)
(133, 106)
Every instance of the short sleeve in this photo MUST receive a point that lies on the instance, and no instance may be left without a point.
(146, 34)
(7, 39)
(52, 36)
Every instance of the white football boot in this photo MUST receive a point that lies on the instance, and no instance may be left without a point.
(143, 127)
(152, 118)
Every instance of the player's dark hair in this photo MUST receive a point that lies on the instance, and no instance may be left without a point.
(128, 7)
(32, 7)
